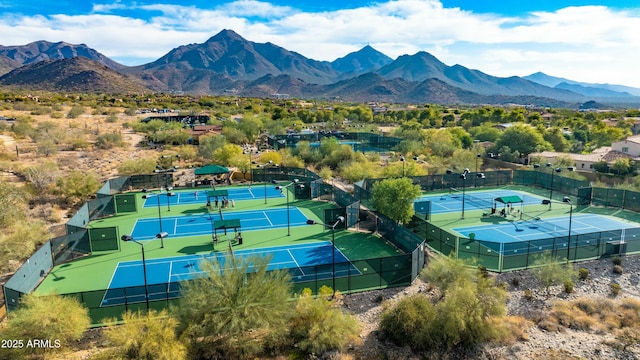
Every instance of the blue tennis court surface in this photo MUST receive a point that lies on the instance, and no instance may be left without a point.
(192, 225)
(522, 231)
(164, 275)
(199, 195)
(475, 200)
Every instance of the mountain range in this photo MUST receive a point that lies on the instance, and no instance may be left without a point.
(229, 64)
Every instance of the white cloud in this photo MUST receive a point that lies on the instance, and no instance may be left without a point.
(589, 43)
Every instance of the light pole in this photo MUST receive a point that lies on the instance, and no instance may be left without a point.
(160, 219)
(250, 152)
(169, 195)
(128, 238)
(556, 170)
(402, 160)
(264, 178)
(463, 176)
(339, 220)
(475, 184)
(281, 188)
(566, 199)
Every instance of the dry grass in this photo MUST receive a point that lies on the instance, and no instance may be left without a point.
(599, 315)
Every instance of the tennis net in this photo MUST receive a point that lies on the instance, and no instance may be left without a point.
(479, 202)
(533, 222)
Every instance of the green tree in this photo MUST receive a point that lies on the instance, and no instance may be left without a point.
(147, 336)
(394, 198)
(523, 139)
(622, 166)
(603, 135)
(319, 325)
(78, 185)
(51, 317)
(208, 144)
(556, 138)
(236, 309)
(251, 127)
(225, 154)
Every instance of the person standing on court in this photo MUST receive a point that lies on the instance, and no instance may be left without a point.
(233, 203)
(216, 202)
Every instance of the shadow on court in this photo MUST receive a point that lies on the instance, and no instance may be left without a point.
(195, 249)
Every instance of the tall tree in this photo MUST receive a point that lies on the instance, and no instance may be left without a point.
(523, 139)
(394, 198)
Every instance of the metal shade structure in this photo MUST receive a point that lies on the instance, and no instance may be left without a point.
(211, 169)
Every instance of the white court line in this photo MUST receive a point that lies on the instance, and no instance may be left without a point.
(175, 226)
(296, 262)
(251, 192)
(170, 270)
(268, 219)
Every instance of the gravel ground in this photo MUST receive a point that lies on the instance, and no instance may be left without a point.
(568, 344)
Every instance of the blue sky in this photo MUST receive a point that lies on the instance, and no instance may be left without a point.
(590, 41)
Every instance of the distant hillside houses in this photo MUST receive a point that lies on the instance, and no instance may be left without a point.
(627, 148)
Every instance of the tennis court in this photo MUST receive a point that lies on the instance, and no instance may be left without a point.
(199, 196)
(164, 274)
(474, 200)
(548, 228)
(193, 225)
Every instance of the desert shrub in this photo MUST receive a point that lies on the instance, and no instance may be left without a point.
(617, 269)
(566, 314)
(515, 281)
(75, 111)
(130, 111)
(510, 328)
(410, 323)
(109, 141)
(112, 118)
(53, 317)
(615, 289)
(616, 260)
(144, 336)
(56, 115)
(137, 166)
(549, 271)
(568, 286)
(318, 325)
(528, 294)
(583, 273)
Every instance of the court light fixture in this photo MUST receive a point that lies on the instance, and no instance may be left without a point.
(567, 200)
(129, 238)
(339, 220)
(161, 235)
(284, 188)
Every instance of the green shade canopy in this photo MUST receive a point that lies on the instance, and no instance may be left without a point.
(227, 224)
(509, 199)
(212, 170)
(213, 193)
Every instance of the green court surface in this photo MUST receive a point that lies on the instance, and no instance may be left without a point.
(95, 272)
